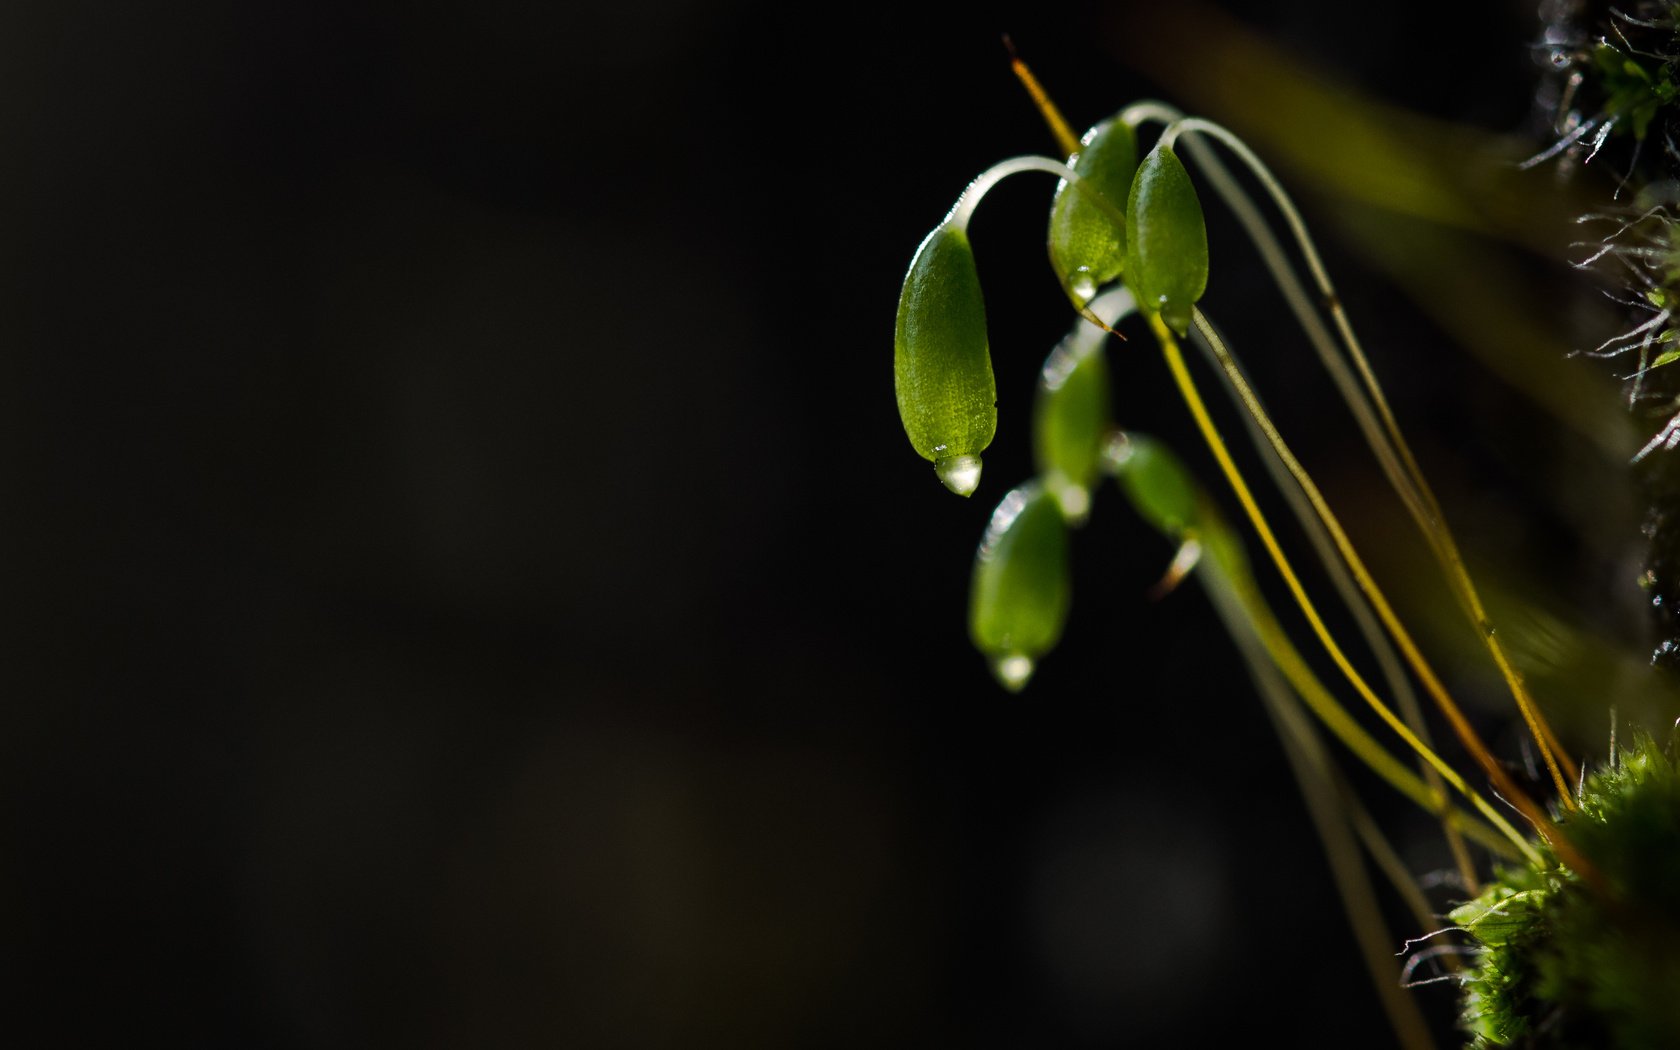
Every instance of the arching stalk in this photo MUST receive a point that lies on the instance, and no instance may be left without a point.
(1388, 661)
(1216, 444)
(1379, 426)
(1289, 662)
(1315, 777)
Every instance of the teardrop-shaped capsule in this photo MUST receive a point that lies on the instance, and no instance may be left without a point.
(1018, 599)
(942, 366)
(1087, 245)
(1157, 484)
(1071, 419)
(1166, 239)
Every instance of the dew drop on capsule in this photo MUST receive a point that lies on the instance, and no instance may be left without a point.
(1082, 285)
(942, 364)
(961, 474)
(1013, 671)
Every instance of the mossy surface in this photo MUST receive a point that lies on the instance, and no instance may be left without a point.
(1563, 965)
(1615, 76)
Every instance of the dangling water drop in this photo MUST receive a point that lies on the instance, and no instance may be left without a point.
(1073, 498)
(1012, 671)
(961, 474)
(1081, 285)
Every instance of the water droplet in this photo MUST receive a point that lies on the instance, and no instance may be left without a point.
(1081, 286)
(1075, 501)
(1012, 671)
(961, 474)
(1117, 450)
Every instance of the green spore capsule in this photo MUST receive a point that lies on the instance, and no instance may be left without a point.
(1087, 245)
(942, 365)
(1018, 600)
(1071, 420)
(1166, 239)
(1156, 483)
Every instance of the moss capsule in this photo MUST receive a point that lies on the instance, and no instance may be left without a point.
(1071, 420)
(1018, 601)
(942, 365)
(1166, 239)
(1087, 246)
(1157, 484)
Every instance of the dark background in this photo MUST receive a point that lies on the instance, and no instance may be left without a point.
(466, 583)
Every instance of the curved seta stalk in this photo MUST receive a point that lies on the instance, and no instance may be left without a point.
(1365, 620)
(1502, 780)
(1366, 400)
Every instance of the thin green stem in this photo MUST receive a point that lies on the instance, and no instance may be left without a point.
(1315, 778)
(1382, 432)
(1216, 444)
(982, 184)
(1357, 604)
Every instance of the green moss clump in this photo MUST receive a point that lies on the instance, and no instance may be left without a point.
(1564, 966)
(1636, 92)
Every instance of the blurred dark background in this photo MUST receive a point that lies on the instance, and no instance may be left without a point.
(466, 583)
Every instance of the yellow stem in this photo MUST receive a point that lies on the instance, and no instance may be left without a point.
(1401, 466)
(1326, 805)
(1216, 444)
(1066, 140)
(1379, 425)
(1344, 547)
(1335, 718)
(1388, 660)
(1434, 525)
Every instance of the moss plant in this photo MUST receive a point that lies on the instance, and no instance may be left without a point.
(1577, 942)
(1563, 966)
(1612, 99)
